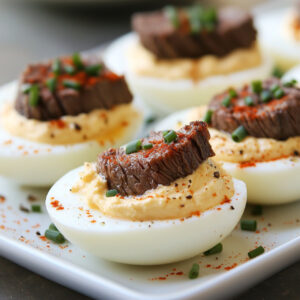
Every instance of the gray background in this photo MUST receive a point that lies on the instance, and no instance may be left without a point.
(32, 32)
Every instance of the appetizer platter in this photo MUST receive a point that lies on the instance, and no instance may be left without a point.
(201, 203)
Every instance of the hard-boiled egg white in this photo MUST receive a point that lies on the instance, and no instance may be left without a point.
(271, 182)
(274, 39)
(135, 242)
(165, 96)
(37, 164)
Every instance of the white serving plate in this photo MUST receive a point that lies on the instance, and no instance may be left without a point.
(220, 275)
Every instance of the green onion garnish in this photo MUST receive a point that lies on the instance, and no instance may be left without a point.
(249, 101)
(53, 227)
(232, 93)
(257, 210)
(274, 87)
(209, 17)
(25, 88)
(54, 236)
(34, 95)
(249, 225)
(150, 120)
(279, 93)
(256, 86)
(208, 116)
(36, 208)
(147, 146)
(56, 66)
(133, 146)
(72, 84)
(93, 70)
(266, 96)
(170, 136)
(77, 61)
(290, 83)
(194, 19)
(194, 272)
(226, 101)
(69, 69)
(277, 72)
(111, 193)
(214, 250)
(239, 134)
(51, 84)
(172, 15)
(256, 252)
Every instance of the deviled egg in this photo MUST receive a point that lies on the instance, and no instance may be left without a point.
(61, 114)
(156, 200)
(255, 132)
(278, 26)
(180, 57)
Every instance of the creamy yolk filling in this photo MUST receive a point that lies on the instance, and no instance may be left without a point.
(143, 62)
(100, 125)
(251, 149)
(207, 187)
(291, 25)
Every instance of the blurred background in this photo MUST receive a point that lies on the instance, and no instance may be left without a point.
(36, 30)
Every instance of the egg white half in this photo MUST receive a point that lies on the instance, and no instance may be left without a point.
(37, 164)
(272, 182)
(165, 96)
(273, 38)
(140, 243)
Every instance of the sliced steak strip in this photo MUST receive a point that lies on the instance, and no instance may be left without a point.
(135, 173)
(102, 91)
(278, 119)
(234, 30)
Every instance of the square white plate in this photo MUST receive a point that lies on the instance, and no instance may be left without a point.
(220, 275)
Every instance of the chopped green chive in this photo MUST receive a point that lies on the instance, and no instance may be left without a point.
(194, 272)
(150, 120)
(214, 250)
(256, 252)
(69, 69)
(249, 101)
(77, 61)
(208, 116)
(34, 95)
(239, 134)
(36, 208)
(290, 83)
(111, 193)
(232, 93)
(170, 136)
(56, 66)
(226, 101)
(72, 84)
(279, 93)
(256, 86)
(53, 227)
(194, 19)
(25, 88)
(147, 146)
(257, 210)
(93, 70)
(266, 96)
(133, 146)
(277, 72)
(51, 84)
(274, 87)
(54, 236)
(249, 225)
(172, 15)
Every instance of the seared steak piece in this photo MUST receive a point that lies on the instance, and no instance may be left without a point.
(232, 29)
(273, 113)
(135, 173)
(69, 89)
